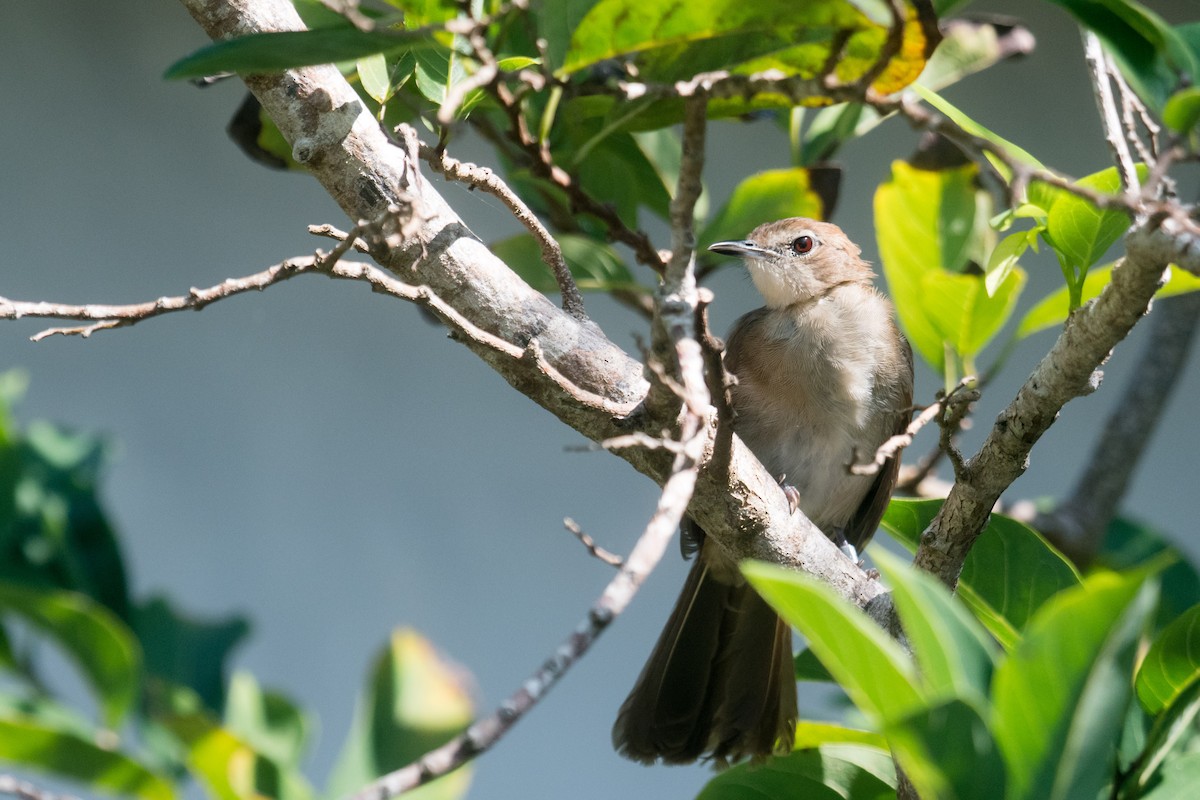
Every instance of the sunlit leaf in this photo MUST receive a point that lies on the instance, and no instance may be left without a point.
(1060, 696)
(1052, 310)
(1079, 232)
(1004, 258)
(671, 41)
(1172, 727)
(829, 772)
(1178, 779)
(99, 643)
(928, 226)
(228, 767)
(810, 668)
(810, 734)
(1150, 52)
(414, 701)
(39, 747)
(963, 313)
(969, 46)
(844, 639)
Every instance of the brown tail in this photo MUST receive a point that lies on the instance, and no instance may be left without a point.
(720, 683)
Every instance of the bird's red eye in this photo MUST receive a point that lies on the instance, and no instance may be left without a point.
(802, 245)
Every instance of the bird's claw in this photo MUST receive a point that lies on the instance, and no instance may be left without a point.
(791, 493)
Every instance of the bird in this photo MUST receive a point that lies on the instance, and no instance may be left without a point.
(823, 377)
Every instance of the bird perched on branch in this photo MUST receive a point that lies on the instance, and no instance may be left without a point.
(824, 377)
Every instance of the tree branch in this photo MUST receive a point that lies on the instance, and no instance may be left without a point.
(1078, 525)
(1066, 372)
(1110, 117)
(484, 178)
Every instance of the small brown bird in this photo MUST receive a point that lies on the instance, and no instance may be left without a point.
(824, 377)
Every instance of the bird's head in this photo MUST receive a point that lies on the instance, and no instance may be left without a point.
(798, 259)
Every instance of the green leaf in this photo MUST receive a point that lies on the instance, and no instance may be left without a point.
(1182, 111)
(1009, 573)
(672, 40)
(1053, 309)
(100, 645)
(64, 754)
(1004, 258)
(810, 668)
(188, 651)
(1060, 697)
(830, 772)
(58, 534)
(1149, 52)
(773, 194)
(1079, 232)
(1171, 729)
(955, 655)
(844, 639)
(1130, 544)
(810, 734)
(949, 753)
(923, 222)
(373, 75)
(595, 265)
(1179, 779)
(414, 701)
(260, 53)
(962, 311)
(267, 721)
(438, 69)
(1172, 664)
(229, 768)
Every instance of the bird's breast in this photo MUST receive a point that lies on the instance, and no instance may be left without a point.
(809, 400)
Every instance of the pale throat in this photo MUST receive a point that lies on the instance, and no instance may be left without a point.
(781, 287)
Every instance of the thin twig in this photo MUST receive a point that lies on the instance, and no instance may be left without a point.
(1110, 118)
(1133, 112)
(543, 166)
(900, 441)
(612, 559)
(484, 178)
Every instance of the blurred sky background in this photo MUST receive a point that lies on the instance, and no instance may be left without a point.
(326, 462)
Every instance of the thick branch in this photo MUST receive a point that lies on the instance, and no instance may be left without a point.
(344, 148)
(1066, 372)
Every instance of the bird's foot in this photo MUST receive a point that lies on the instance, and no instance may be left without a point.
(791, 493)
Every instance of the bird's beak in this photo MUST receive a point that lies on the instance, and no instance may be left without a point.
(745, 249)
